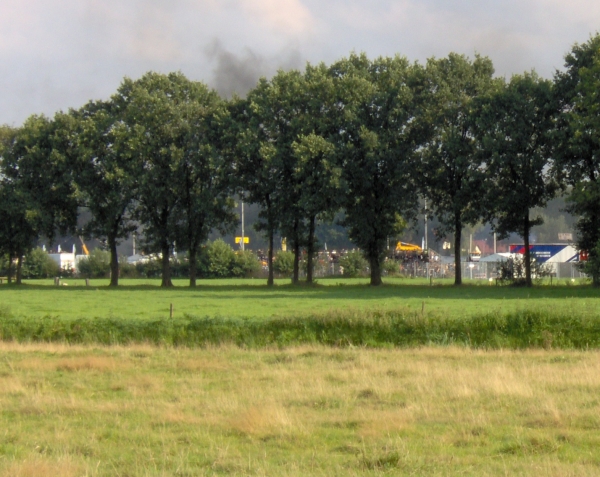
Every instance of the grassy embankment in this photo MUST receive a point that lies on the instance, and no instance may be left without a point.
(316, 411)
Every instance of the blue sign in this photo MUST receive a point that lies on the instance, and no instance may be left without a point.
(544, 252)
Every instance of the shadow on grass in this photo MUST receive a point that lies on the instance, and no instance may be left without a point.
(344, 291)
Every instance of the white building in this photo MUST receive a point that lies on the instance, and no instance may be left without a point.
(66, 260)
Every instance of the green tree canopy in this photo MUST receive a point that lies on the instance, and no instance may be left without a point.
(317, 173)
(38, 187)
(376, 150)
(269, 122)
(170, 117)
(451, 172)
(204, 173)
(513, 127)
(577, 143)
(106, 173)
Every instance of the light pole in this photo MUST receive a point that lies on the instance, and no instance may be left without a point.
(426, 246)
(242, 241)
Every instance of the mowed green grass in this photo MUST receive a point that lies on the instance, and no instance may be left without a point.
(251, 299)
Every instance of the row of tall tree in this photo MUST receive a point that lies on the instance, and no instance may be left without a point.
(367, 137)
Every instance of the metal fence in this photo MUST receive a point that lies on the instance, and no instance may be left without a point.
(487, 270)
(470, 270)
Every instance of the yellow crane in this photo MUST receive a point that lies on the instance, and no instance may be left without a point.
(407, 247)
(83, 246)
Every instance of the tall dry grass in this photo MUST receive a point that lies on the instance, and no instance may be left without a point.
(310, 410)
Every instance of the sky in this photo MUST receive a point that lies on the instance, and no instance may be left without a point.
(59, 54)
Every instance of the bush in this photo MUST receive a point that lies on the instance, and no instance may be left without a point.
(150, 269)
(513, 270)
(95, 265)
(127, 270)
(353, 264)
(283, 262)
(220, 258)
(180, 266)
(38, 264)
(591, 266)
(245, 264)
(390, 266)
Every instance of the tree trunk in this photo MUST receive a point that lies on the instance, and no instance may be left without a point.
(593, 256)
(270, 280)
(595, 219)
(19, 269)
(9, 273)
(457, 239)
(296, 243)
(114, 261)
(166, 266)
(310, 250)
(193, 264)
(296, 274)
(375, 264)
(527, 252)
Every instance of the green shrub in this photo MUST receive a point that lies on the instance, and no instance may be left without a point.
(390, 266)
(180, 266)
(591, 266)
(127, 270)
(3, 265)
(38, 264)
(218, 260)
(245, 264)
(220, 257)
(283, 262)
(150, 269)
(95, 265)
(513, 270)
(353, 264)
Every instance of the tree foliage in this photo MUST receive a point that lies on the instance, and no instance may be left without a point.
(364, 140)
(180, 182)
(451, 172)
(513, 128)
(376, 150)
(578, 141)
(106, 174)
(37, 191)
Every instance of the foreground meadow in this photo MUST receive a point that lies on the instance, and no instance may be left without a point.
(150, 411)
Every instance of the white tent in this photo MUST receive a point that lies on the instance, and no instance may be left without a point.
(498, 257)
(137, 258)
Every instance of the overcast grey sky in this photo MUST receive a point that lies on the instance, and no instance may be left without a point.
(57, 54)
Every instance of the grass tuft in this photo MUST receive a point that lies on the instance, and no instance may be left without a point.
(519, 329)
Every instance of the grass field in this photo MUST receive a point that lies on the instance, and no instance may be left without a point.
(143, 299)
(274, 406)
(306, 411)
